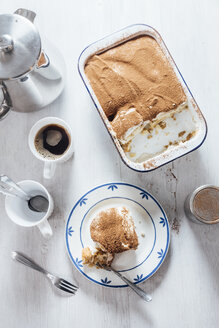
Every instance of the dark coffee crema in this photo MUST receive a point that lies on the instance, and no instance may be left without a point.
(61, 146)
(52, 141)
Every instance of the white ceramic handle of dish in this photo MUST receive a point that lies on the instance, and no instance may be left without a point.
(45, 229)
(49, 170)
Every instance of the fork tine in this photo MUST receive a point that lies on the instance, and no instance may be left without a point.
(68, 283)
(64, 284)
(71, 291)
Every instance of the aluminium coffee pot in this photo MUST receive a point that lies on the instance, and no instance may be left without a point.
(31, 77)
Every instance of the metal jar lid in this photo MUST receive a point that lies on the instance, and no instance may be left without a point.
(20, 46)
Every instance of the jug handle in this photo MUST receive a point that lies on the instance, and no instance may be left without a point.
(6, 104)
(29, 14)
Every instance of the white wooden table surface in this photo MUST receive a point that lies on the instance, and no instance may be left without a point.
(186, 288)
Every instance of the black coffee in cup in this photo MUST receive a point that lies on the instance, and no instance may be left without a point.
(52, 141)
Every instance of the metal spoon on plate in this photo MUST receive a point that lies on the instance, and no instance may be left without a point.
(36, 203)
(146, 297)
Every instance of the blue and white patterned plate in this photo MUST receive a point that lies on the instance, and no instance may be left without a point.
(151, 226)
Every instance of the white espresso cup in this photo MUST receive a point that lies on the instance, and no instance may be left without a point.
(50, 162)
(19, 212)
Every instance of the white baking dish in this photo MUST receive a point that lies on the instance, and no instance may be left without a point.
(147, 154)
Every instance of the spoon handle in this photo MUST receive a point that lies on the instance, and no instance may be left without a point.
(135, 288)
(9, 187)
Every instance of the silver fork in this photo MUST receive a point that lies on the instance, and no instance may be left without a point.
(135, 288)
(56, 281)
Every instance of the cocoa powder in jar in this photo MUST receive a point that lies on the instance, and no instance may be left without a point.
(206, 204)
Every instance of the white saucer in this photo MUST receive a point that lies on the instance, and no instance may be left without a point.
(151, 226)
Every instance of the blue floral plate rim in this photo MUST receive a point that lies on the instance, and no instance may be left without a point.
(113, 186)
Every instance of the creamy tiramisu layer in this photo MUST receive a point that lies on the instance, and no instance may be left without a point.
(134, 82)
(126, 122)
(97, 257)
(113, 230)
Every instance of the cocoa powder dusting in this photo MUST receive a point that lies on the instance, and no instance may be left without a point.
(114, 230)
(206, 204)
(135, 74)
(124, 120)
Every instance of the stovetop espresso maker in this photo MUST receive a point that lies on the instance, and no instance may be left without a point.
(30, 77)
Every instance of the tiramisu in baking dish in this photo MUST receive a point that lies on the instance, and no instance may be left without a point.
(143, 100)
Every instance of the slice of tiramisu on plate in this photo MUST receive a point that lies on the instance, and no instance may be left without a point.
(113, 231)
